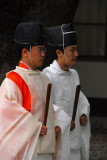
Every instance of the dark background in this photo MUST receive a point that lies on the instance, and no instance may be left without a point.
(47, 12)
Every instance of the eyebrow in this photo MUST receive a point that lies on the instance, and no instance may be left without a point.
(41, 46)
(73, 47)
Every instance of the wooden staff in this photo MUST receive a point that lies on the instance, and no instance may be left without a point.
(47, 103)
(76, 102)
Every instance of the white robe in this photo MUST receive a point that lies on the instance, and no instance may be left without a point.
(20, 129)
(64, 86)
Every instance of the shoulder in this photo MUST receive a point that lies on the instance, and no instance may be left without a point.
(73, 71)
(75, 75)
(17, 79)
(48, 73)
(14, 76)
(45, 76)
(46, 70)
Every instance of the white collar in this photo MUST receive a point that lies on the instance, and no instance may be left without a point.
(58, 69)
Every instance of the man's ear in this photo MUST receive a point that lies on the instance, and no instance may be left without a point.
(24, 52)
(59, 53)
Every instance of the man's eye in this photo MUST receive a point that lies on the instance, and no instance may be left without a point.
(44, 49)
(72, 50)
(40, 49)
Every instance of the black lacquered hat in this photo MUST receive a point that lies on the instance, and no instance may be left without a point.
(29, 33)
(63, 35)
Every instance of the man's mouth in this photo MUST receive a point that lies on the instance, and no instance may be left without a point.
(42, 60)
(75, 59)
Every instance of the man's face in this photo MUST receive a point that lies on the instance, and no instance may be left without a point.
(37, 55)
(71, 55)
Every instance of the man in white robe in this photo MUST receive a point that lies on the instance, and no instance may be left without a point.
(22, 103)
(75, 135)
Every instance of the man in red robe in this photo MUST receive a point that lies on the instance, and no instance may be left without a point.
(22, 103)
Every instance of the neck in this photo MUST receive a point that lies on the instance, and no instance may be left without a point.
(28, 64)
(63, 66)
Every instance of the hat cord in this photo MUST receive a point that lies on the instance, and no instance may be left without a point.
(63, 46)
(31, 58)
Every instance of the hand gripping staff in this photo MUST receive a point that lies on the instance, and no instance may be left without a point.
(47, 104)
(76, 102)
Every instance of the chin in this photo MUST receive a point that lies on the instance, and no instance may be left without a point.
(40, 64)
(73, 64)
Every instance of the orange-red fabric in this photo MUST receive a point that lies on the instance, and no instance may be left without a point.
(23, 65)
(18, 80)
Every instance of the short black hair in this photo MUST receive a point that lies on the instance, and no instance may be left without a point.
(52, 50)
(18, 50)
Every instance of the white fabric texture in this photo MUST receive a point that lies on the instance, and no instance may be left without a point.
(64, 86)
(19, 129)
(75, 154)
(45, 157)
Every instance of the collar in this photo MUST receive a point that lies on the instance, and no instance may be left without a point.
(28, 70)
(58, 69)
(23, 65)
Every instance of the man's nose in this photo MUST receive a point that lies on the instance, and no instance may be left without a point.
(76, 53)
(43, 54)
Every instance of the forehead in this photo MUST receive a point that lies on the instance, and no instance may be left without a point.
(72, 46)
(40, 46)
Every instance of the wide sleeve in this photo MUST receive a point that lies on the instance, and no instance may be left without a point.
(84, 108)
(86, 130)
(17, 125)
(84, 104)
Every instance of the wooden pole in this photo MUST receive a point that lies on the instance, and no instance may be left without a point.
(76, 102)
(47, 104)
